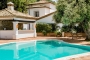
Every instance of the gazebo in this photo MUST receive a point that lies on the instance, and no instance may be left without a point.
(29, 23)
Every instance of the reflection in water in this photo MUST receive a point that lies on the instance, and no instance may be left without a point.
(16, 51)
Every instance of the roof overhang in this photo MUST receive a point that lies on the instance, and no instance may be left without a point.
(11, 17)
(46, 15)
(39, 7)
(41, 3)
(21, 19)
(24, 18)
(6, 18)
(17, 19)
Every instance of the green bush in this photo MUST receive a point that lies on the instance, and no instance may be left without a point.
(44, 32)
(43, 27)
(58, 33)
(69, 28)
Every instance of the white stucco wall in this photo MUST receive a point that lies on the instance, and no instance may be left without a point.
(47, 11)
(53, 8)
(28, 11)
(6, 34)
(25, 33)
(47, 19)
(41, 11)
(9, 34)
(26, 26)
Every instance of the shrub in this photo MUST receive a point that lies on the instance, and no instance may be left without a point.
(44, 32)
(57, 32)
(42, 26)
(69, 28)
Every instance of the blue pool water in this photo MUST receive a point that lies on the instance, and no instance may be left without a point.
(40, 50)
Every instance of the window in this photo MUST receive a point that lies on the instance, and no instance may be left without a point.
(36, 13)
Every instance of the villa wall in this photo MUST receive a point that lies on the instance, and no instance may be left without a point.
(9, 34)
(6, 34)
(25, 33)
(65, 34)
(41, 11)
(53, 8)
(47, 19)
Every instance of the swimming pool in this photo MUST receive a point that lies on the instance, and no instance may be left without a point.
(40, 50)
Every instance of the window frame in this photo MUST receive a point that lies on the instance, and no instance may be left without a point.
(36, 13)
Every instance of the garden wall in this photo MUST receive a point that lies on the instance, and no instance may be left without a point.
(65, 34)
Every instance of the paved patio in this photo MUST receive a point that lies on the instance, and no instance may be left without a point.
(67, 39)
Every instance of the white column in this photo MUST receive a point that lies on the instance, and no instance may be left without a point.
(15, 30)
(24, 26)
(28, 28)
(34, 26)
(31, 26)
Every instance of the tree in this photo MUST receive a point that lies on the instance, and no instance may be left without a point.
(70, 12)
(3, 4)
(19, 5)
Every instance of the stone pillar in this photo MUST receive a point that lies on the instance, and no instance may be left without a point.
(15, 30)
(34, 26)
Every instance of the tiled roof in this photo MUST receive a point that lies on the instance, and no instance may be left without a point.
(46, 15)
(10, 13)
(38, 7)
(7, 12)
(40, 2)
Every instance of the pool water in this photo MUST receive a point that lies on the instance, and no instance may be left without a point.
(40, 50)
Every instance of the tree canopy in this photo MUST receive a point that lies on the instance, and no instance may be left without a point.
(3, 4)
(19, 5)
(70, 12)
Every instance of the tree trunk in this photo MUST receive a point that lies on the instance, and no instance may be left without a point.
(88, 33)
(87, 30)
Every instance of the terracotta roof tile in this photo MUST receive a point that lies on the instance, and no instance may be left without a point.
(41, 2)
(7, 12)
(10, 13)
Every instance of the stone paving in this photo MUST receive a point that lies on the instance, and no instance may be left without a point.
(67, 39)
